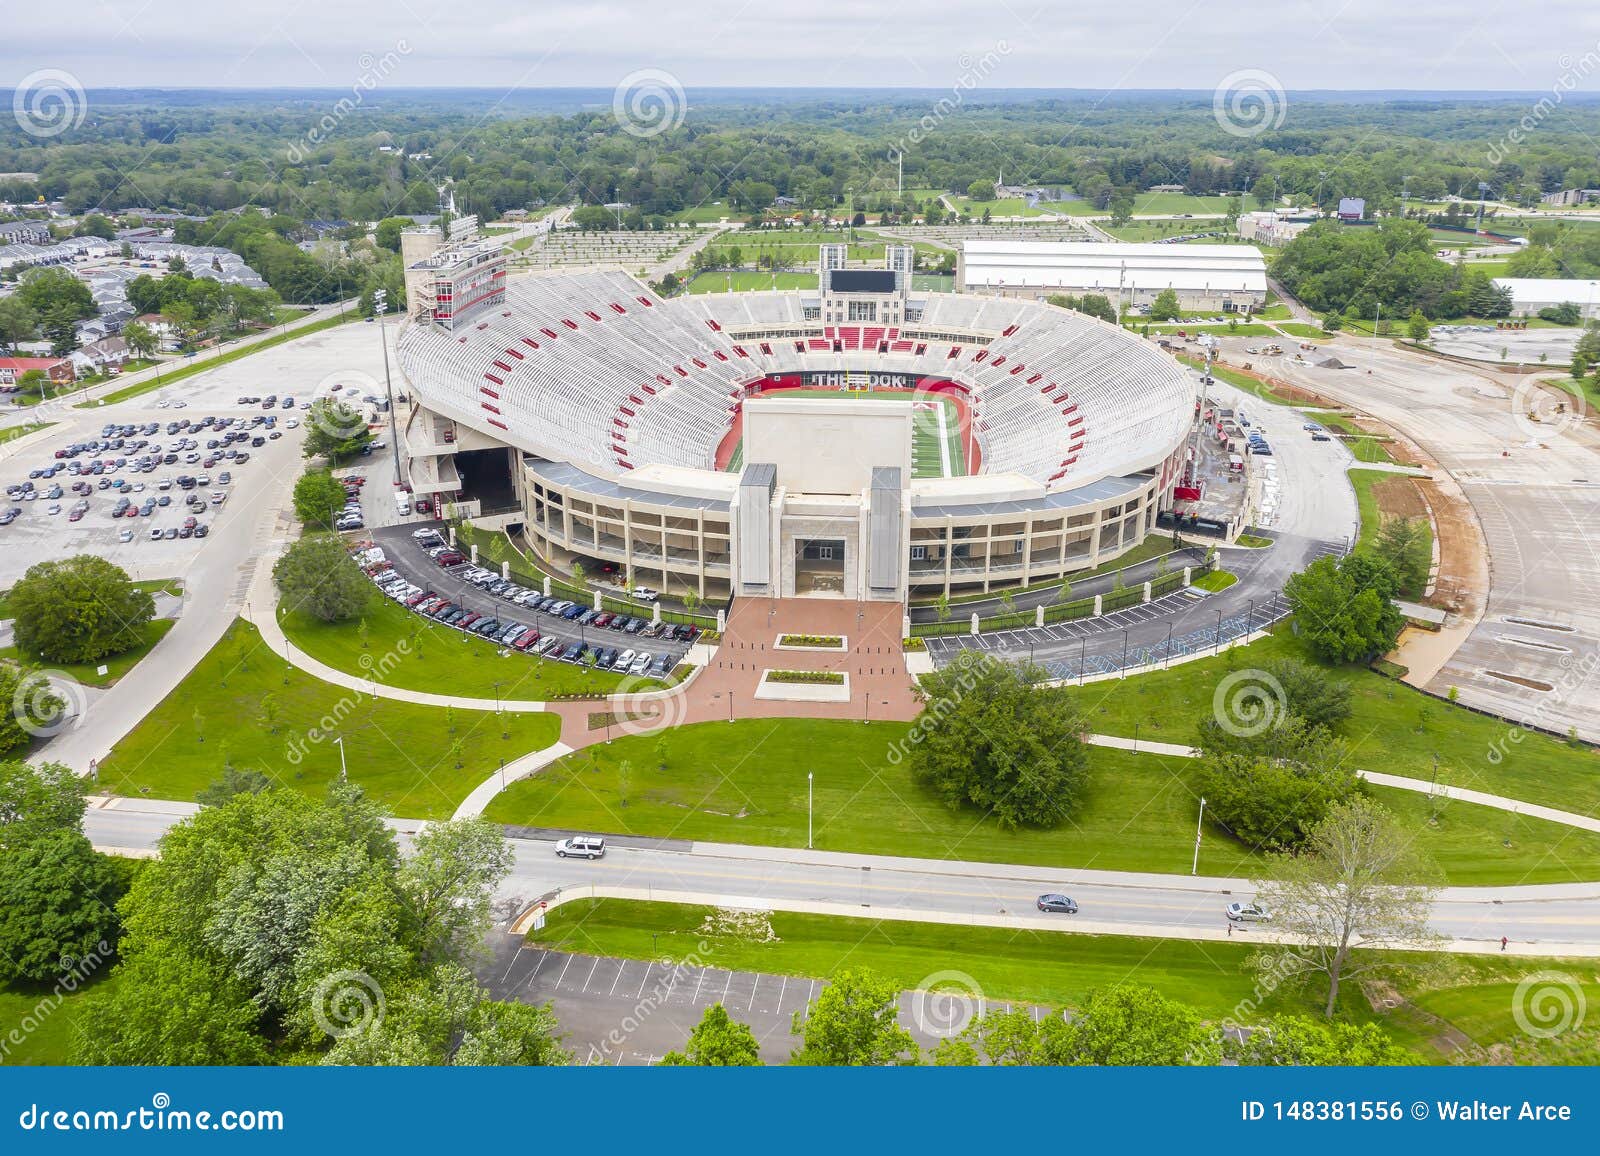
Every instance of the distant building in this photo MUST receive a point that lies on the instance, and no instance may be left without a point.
(1223, 278)
(1531, 294)
(1571, 197)
(1269, 227)
(1352, 208)
(57, 369)
(99, 356)
(448, 280)
(25, 233)
(1165, 189)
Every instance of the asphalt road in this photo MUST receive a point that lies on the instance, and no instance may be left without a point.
(1552, 919)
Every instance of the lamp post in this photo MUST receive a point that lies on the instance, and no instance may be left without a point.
(502, 774)
(1194, 869)
(1166, 663)
(1083, 645)
(1218, 649)
(1122, 671)
(380, 306)
(344, 776)
(810, 780)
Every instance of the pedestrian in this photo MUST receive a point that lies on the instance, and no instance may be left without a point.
(1503, 942)
(1230, 927)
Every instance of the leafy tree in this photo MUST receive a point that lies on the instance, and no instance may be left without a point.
(57, 902)
(997, 739)
(1403, 544)
(79, 609)
(233, 781)
(981, 190)
(141, 339)
(1128, 1024)
(318, 498)
(1097, 305)
(1311, 693)
(1333, 322)
(1271, 803)
(19, 322)
(718, 1041)
(37, 800)
(941, 607)
(1299, 1041)
(1165, 306)
(171, 1007)
(387, 233)
(1417, 327)
(335, 431)
(55, 292)
(1344, 606)
(852, 1025)
(316, 575)
(33, 701)
(448, 882)
(1359, 878)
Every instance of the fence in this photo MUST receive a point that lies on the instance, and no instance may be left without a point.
(1116, 599)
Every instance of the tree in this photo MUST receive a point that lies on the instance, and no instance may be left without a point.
(18, 322)
(1403, 544)
(1311, 693)
(981, 190)
(941, 606)
(1417, 327)
(57, 903)
(1333, 322)
(1299, 1041)
(1360, 881)
(1165, 306)
(446, 1018)
(718, 1041)
(233, 781)
(997, 739)
(37, 800)
(387, 233)
(56, 292)
(1273, 803)
(36, 708)
(171, 1007)
(1128, 1024)
(335, 431)
(318, 498)
(448, 882)
(1096, 305)
(1344, 607)
(141, 339)
(853, 1025)
(316, 575)
(79, 609)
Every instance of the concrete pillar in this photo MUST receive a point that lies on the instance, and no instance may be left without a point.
(452, 536)
(1038, 615)
(905, 626)
(505, 571)
(547, 585)
(1097, 605)
(474, 553)
(597, 604)
(655, 612)
(974, 622)
(1186, 575)
(1147, 591)
(722, 621)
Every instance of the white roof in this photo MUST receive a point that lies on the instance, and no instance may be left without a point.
(1551, 290)
(1092, 265)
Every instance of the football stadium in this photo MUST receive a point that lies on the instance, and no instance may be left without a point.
(859, 440)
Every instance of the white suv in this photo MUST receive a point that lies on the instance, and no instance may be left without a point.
(582, 847)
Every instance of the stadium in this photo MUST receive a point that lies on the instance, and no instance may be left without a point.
(859, 440)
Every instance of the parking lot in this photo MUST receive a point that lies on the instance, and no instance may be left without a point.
(409, 558)
(1521, 346)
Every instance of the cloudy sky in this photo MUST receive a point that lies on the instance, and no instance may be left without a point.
(1328, 44)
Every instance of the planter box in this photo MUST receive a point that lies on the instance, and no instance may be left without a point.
(803, 691)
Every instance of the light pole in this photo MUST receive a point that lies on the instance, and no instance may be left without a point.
(1167, 662)
(1195, 867)
(502, 774)
(380, 306)
(1122, 671)
(343, 773)
(1083, 645)
(810, 779)
(1218, 648)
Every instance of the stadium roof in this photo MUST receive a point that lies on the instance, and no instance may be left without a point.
(1092, 265)
(1551, 290)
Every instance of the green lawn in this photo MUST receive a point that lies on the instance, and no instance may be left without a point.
(745, 782)
(1215, 581)
(1306, 332)
(1363, 482)
(1361, 444)
(11, 433)
(750, 281)
(1049, 968)
(1152, 204)
(400, 753)
(1395, 728)
(712, 212)
(1008, 207)
(437, 657)
(1243, 380)
(88, 673)
(45, 1021)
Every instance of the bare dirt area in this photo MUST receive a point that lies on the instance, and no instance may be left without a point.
(1399, 497)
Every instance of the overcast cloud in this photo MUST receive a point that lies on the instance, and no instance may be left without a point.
(1362, 44)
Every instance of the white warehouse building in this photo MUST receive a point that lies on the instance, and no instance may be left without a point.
(1531, 294)
(1218, 278)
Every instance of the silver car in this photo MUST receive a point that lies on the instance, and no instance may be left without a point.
(1248, 913)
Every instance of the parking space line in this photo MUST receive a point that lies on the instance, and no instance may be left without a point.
(727, 984)
(697, 984)
(592, 970)
(646, 978)
(753, 987)
(618, 980)
(564, 967)
(535, 972)
(782, 988)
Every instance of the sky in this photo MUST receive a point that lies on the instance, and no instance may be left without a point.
(1191, 44)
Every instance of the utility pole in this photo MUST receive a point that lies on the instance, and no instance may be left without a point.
(380, 305)
(1194, 868)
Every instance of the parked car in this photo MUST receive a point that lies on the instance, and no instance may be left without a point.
(581, 847)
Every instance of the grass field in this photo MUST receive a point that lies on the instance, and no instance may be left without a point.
(1152, 204)
(13, 432)
(45, 1020)
(88, 673)
(437, 656)
(1158, 230)
(745, 782)
(1007, 207)
(404, 755)
(1361, 444)
(750, 281)
(1056, 970)
(1301, 330)
(926, 461)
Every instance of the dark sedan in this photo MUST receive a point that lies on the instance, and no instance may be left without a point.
(1062, 903)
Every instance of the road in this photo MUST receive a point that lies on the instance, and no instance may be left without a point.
(1554, 919)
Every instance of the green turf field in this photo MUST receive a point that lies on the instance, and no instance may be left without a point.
(927, 460)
